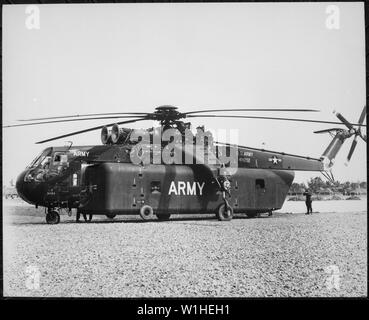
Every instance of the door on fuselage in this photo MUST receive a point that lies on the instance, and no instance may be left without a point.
(70, 186)
(264, 194)
(259, 193)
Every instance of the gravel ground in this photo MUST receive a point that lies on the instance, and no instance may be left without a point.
(190, 256)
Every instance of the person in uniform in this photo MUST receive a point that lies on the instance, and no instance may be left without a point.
(89, 217)
(308, 202)
(84, 216)
(78, 215)
(199, 136)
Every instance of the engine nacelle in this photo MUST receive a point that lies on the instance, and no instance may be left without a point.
(106, 136)
(119, 135)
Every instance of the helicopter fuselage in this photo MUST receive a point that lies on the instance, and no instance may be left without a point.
(102, 180)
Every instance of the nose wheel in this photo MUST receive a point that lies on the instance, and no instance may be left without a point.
(52, 217)
(224, 212)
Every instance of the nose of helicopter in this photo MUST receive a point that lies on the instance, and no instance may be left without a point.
(26, 189)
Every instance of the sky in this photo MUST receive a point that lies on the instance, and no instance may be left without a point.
(93, 58)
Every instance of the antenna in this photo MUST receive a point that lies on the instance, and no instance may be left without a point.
(70, 144)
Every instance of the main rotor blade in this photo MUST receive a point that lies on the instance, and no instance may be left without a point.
(353, 146)
(269, 118)
(147, 113)
(88, 115)
(345, 122)
(253, 109)
(89, 129)
(67, 120)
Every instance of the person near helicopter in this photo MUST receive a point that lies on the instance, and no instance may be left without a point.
(308, 201)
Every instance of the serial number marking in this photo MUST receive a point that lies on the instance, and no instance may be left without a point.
(248, 154)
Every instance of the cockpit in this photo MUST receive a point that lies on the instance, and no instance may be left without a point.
(47, 164)
(43, 157)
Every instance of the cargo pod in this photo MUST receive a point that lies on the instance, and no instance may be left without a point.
(123, 188)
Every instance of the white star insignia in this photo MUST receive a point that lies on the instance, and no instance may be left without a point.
(275, 160)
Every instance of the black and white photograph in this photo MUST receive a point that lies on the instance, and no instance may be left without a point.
(184, 150)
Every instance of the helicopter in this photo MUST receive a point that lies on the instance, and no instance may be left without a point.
(137, 171)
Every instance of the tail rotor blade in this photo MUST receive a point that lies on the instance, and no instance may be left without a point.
(361, 120)
(362, 116)
(344, 121)
(352, 149)
(328, 130)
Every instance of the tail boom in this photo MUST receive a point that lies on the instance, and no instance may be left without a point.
(329, 155)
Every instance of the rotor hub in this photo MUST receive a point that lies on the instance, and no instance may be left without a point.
(167, 114)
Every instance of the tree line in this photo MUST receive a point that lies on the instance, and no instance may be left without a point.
(318, 186)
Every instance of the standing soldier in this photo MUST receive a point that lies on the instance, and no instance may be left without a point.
(308, 202)
(78, 215)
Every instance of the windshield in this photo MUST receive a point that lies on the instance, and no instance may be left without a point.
(40, 158)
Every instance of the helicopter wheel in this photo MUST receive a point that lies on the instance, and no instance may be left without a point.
(223, 214)
(163, 217)
(111, 216)
(146, 212)
(52, 217)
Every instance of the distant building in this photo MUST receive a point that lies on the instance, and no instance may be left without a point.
(9, 192)
(325, 192)
(357, 191)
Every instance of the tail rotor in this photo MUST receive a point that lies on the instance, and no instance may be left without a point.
(353, 131)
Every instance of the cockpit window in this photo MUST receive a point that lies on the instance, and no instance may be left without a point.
(45, 163)
(60, 158)
(64, 158)
(41, 158)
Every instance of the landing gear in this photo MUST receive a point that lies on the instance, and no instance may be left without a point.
(224, 212)
(52, 217)
(111, 215)
(163, 217)
(146, 212)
